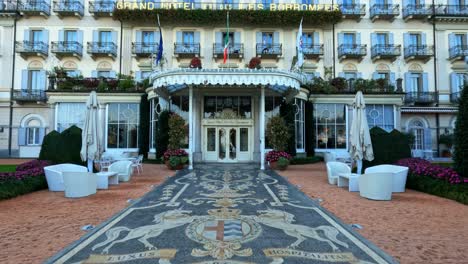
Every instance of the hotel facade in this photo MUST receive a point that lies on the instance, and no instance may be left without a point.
(419, 47)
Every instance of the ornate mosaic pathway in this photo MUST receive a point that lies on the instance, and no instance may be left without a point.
(223, 215)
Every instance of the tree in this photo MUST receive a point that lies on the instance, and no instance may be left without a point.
(277, 133)
(461, 135)
(176, 131)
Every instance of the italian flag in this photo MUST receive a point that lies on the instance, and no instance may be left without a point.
(226, 40)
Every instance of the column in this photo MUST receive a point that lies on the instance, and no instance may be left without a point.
(262, 128)
(191, 147)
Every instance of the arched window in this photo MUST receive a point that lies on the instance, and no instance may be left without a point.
(31, 132)
(417, 130)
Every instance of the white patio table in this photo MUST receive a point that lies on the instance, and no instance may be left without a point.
(350, 180)
(105, 178)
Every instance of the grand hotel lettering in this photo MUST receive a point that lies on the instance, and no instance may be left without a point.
(216, 6)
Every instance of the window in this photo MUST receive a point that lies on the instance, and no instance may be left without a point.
(123, 123)
(417, 129)
(330, 126)
(227, 107)
(188, 37)
(231, 39)
(36, 35)
(414, 39)
(382, 75)
(299, 123)
(415, 82)
(145, 74)
(32, 136)
(105, 36)
(147, 37)
(103, 74)
(349, 38)
(380, 116)
(35, 80)
(70, 36)
(267, 38)
(460, 39)
(69, 114)
(307, 39)
(382, 38)
(350, 75)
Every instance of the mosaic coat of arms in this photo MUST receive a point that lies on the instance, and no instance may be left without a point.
(224, 215)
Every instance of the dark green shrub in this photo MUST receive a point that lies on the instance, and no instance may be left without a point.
(282, 163)
(339, 83)
(184, 160)
(176, 131)
(126, 83)
(277, 133)
(309, 129)
(144, 129)
(62, 148)
(461, 135)
(287, 112)
(13, 188)
(441, 188)
(162, 133)
(174, 161)
(306, 160)
(388, 147)
(50, 147)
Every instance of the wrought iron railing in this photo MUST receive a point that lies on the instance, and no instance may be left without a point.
(458, 51)
(312, 49)
(269, 49)
(187, 48)
(102, 48)
(145, 48)
(421, 97)
(34, 6)
(387, 50)
(99, 7)
(451, 10)
(32, 47)
(353, 9)
(67, 47)
(69, 6)
(29, 95)
(235, 49)
(384, 10)
(419, 51)
(455, 97)
(352, 50)
(8, 6)
(417, 10)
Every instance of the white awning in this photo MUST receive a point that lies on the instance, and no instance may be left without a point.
(281, 81)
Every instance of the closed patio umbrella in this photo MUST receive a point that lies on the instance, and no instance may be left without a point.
(92, 132)
(361, 144)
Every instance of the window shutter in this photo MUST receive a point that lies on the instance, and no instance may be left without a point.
(156, 36)
(21, 136)
(219, 37)
(112, 74)
(373, 39)
(94, 74)
(454, 82)
(276, 39)
(61, 35)
(24, 79)
(196, 37)
(392, 79)
(391, 40)
(375, 75)
(42, 80)
(408, 83)
(358, 39)
(45, 36)
(95, 36)
(452, 39)
(114, 37)
(79, 36)
(237, 38)
(41, 134)
(359, 75)
(258, 36)
(27, 35)
(406, 39)
(179, 37)
(138, 37)
(425, 81)
(138, 76)
(340, 38)
(423, 39)
(316, 38)
(427, 139)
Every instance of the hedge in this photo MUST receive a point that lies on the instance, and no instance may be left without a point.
(457, 192)
(306, 160)
(62, 147)
(12, 188)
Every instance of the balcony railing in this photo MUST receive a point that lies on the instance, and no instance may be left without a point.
(26, 48)
(269, 50)
(455, 97)
(64, 48)
(101, 8)
(235, 50)
(419, 52)
(384, 11)
(102, 49)
(452, 10)
(386, 51)
(69, 8)
(421, 97)
(8, 7)
(353, 10)
(417, 11)
(186, 49)
(352, 50)
(144, 49)
(34, 7)
(458, 51)
(312, 51)
(29, 95)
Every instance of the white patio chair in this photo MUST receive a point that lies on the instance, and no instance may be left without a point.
(334, 168)
(104, 164)
(123, 168)
(138, 163)
(376, 186)
(54, 175)
(79, 184)
(399, 175)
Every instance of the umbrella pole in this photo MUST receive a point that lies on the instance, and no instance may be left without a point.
(359, 166)
(90, 165)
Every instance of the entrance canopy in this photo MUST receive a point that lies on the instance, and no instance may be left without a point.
(283, 82)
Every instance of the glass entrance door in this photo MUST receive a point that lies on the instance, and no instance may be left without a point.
(227, 144)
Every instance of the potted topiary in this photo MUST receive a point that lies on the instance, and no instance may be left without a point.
(278, 135)
(255, 63)
(175, 158)
(195, 63)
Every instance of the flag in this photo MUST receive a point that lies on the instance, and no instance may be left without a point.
(299, 44)
(226, 40)
(160, 47)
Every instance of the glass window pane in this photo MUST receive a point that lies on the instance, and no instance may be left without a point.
(209, 107)
(132, 136)
(211, 139)
(232, 143)
(112, 136)
(122, 136)
(245, 107)
(244, 139)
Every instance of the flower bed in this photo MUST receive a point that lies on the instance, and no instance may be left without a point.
(27, 178)
(421, 167)
(175, 158)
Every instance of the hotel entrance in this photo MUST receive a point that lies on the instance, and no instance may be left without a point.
(227, 144)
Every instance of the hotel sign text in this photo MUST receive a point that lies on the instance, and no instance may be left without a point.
(220, 6)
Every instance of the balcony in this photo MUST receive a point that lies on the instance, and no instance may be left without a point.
(144, 49)
(353, 11)
(455, 97)
(65, 8)
(421, 98)
(34, 8)
(417, 12)
(384, 12)
(102, 49)
(101, 8)
(419, 52)
(8, 8)
(186, 50)
(236, 50)
(385, 52)
(23, 96)
(458, 52)
(352, 51)
(32, 48)
(312, 51)
(460, 11)
(269, 51)
(67, 49)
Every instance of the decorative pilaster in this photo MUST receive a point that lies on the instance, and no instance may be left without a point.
(262, 127)
(191, 130)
